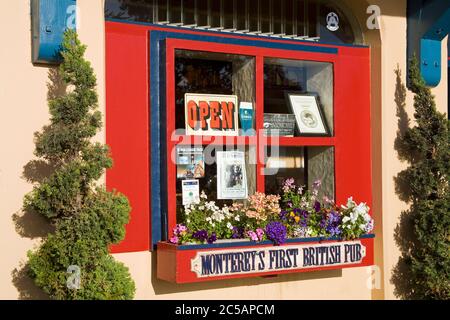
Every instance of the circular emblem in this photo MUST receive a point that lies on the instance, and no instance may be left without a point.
(332, 21)
(308, 119)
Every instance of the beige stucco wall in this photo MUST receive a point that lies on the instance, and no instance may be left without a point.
(23, 110)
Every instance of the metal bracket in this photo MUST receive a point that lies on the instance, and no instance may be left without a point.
(428, 25)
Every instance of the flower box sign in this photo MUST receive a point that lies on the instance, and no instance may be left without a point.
(276, 258)
(211, 115)
(196, 263)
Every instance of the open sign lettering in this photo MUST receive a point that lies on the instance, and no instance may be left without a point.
(211, 114)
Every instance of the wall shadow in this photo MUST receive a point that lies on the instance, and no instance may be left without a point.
(27, 223)
(403, 234)
(25, 285)
(163, 287)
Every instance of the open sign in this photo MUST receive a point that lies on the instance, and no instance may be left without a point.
(211, 115)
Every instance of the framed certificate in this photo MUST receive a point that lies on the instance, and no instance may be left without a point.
(308, 114)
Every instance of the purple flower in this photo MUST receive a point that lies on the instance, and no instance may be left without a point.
(238, 233)
(283, 215)
(276, 232)
(317, 206)
(200, 235)
(212, 238)
(288, 184)
(333, 223)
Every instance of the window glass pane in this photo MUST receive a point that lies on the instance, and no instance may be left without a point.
(283, 163)
(208, 183)
(254, 8)
(189, 12)
(300, 17)
(305, 164)
(277, 17)
(162, 11)
(289, 17)
(282, 76)
(265, 11)
(175, 11)
(312, 18)
(228, 14)
(215, 13)
(129, 10)
(242, 14)
(202, 13)
(212, 73)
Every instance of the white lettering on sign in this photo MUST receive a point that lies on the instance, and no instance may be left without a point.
(276, 258)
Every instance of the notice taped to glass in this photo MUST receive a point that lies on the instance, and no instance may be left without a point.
(190, 162)
(231, 175)
(279, 124)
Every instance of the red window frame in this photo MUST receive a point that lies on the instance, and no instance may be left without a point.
(259, 54)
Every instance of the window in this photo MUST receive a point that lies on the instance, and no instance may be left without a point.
(271, 156)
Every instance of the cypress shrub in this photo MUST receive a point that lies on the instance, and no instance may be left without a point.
(87, 218)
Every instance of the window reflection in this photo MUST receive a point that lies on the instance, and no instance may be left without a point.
(212, 73)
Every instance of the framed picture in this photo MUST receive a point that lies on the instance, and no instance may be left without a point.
(231, 175)
(308, 114)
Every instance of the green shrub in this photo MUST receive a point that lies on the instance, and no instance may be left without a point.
(87, 218)
(426, 146)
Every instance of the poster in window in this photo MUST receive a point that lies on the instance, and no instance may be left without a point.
(211, 114)
(231, 175)
(308, 114)
(190, 162)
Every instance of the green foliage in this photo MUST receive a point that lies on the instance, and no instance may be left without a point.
(428, 189)
(87, 218)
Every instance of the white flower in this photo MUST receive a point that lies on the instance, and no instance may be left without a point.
(345, 219)
(208, 219)
(201, 208)
(350, 203)
(361, 209)
(188, 220)
(213, 224)
(237, 218)
(218, 216)
(226, 211)
(187, 211)
(203, 195)
(229, 226)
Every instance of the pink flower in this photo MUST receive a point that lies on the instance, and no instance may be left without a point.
(253, 236)
(260, 233)
(174, 240)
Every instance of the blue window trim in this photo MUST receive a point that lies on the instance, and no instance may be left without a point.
(158, 147)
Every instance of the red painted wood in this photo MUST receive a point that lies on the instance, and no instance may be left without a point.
(259, 122)
(353, 159)
(127, 129)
